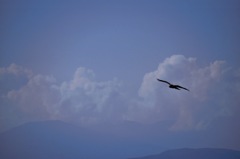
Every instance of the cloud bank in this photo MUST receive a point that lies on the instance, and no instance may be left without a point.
(214, 91)
(189, 109)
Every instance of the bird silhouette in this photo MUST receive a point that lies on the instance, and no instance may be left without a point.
(173, 85)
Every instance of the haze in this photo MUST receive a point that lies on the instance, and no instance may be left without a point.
(94, 64)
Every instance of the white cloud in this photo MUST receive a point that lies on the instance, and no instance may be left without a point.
(214, 92)
(15, 70)
(187, 109)
(37, 98)
(81, 100)
(90, 101)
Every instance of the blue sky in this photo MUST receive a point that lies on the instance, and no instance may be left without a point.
(95, 62)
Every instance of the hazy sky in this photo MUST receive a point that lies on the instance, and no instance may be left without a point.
(96, 62)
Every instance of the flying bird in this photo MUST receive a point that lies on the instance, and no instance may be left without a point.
(173, 85)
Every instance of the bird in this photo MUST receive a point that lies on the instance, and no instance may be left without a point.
(173, 86)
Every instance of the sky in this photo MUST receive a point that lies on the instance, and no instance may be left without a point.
(95, 63)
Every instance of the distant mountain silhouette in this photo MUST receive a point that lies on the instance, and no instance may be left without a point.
(60, 140)
(46, 140)
(202, 153)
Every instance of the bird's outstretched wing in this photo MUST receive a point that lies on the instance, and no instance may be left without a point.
(164, 81)
(182, 87)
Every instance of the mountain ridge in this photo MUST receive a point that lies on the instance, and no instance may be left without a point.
(195, 153)
(57, 139)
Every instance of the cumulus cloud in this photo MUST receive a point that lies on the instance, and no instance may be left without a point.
(15, 70)
(87, 101)
(13, 76)
(81, 100)
(206, 100)
(214, 92)
(37, 98)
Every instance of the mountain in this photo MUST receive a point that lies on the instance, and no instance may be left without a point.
(60, 140)
(45, 140)
(202, 153)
